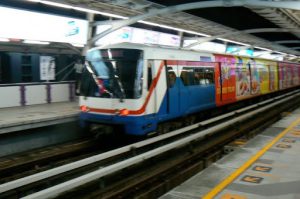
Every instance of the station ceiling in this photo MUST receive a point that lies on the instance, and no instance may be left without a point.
(214, 21)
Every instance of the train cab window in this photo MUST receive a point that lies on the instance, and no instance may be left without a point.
(171, 77)
(118, 73)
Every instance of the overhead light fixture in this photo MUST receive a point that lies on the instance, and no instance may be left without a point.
(36, 42)
(61, 5)
(78, 45)
(173, 28)
(235, 42)
(98, 12)
(280, 52)
(56, 4)
(266, 49)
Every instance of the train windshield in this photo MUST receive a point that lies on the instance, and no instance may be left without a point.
(113, 73)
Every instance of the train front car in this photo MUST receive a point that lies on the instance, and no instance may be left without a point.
(144, 89)
(111, 92)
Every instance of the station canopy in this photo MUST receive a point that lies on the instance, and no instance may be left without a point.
(244, 22)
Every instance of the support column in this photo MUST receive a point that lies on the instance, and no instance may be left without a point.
(90, 18)
(181, 39)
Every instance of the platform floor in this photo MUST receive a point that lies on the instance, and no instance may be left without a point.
(267, 167)
(26, 117)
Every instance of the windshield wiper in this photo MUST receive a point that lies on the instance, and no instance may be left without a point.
(119, 90)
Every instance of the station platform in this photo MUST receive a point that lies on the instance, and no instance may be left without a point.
(266, 167)
(27, 117)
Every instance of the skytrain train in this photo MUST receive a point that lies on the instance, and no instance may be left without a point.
(139, 87)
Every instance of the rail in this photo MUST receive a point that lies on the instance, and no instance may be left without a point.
(60, 188)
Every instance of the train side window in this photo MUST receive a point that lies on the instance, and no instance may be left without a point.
(171, 77)
(187, 76)
(199, 76)
(209, 75)
(149, 77)
(204, 76)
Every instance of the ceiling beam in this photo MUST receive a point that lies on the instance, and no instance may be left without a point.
(249, 31)
(196, 5)
(288, 42)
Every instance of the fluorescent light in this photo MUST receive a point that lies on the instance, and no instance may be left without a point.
(210, 46)
(36, 42)
(266, 49)
(4, 40)
(61, 5)
(280, 52)
(292, 55)
(56, 4)
(78, 45)
(85, 10)
(235, 42)
(98, 12)
(173, 28)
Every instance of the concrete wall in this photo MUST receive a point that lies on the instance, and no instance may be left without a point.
(21, 141)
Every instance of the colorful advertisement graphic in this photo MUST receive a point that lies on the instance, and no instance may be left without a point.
(242, 78)
(225, 79)
(263, 69)
(288, 75)
(273, 75)
(255, 78)
(295, 75)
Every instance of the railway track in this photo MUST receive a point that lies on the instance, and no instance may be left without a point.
(30, 162)
(22, 164)
(149, 168)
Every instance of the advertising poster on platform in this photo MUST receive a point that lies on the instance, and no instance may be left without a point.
(47, 68)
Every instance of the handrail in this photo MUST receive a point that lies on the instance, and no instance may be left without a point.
(36, 83)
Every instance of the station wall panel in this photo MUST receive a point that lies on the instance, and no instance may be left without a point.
(36, 94)
(10, 96)
(60, 92)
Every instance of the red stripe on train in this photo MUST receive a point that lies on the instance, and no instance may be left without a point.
(143, 108)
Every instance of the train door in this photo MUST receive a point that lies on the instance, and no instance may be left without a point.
(225, 79)
(172, 88)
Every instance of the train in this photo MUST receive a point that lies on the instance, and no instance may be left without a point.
(137, 88)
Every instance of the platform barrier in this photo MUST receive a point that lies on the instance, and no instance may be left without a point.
(13, 95)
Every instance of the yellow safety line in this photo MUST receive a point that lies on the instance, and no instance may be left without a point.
(217, 189)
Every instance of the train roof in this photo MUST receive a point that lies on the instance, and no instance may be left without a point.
(163, 52)
(173, 53)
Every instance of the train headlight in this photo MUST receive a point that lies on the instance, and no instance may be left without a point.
(124, 112)
(84, 108)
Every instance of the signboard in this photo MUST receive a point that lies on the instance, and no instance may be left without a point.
(20, 24)
(239, 50)
(47, 68)
(137, 35)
